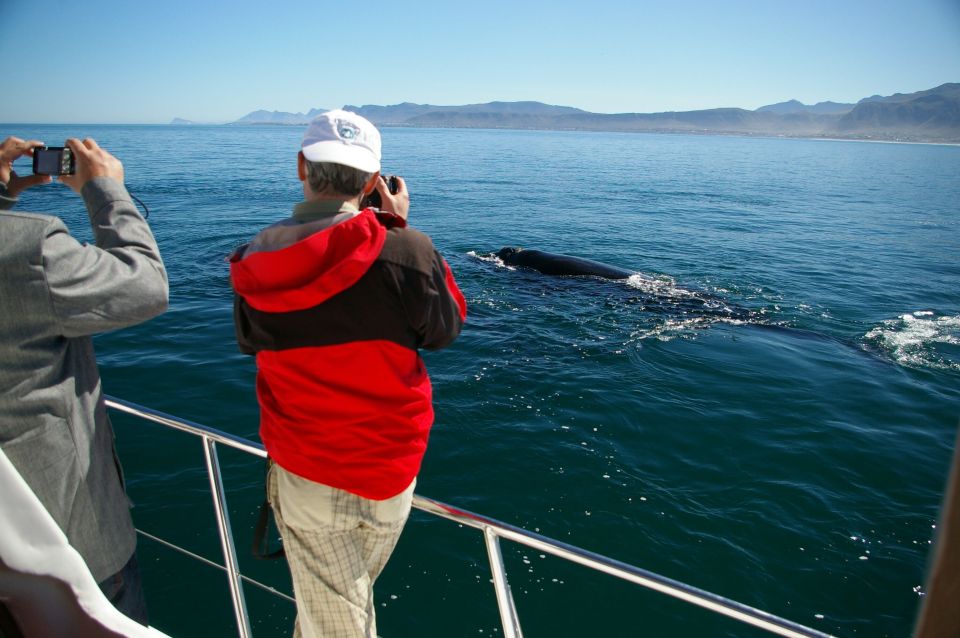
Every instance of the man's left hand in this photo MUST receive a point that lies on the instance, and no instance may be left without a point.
(14, 148)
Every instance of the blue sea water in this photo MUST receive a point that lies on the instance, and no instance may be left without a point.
(768, 413)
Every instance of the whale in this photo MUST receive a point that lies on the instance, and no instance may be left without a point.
(654, 295)
(554, 264)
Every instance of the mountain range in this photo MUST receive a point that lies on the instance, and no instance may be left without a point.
(925, 116)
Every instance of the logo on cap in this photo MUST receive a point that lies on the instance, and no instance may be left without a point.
(347, 130)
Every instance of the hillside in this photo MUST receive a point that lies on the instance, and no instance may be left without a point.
(278, 117)
(932, 115)
(794, 106)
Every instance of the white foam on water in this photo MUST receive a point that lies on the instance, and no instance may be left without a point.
(917, 339)
(662, 286)
(671, 329)
(489, 257)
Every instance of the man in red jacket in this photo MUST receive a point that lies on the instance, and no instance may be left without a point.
(335, 302)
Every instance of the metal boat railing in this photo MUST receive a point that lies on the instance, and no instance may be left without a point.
(492, 530)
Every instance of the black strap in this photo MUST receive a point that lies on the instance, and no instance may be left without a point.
(260, 541)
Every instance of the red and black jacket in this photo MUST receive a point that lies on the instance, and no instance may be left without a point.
(336, 320)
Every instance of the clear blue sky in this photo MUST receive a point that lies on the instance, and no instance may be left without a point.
(124, 61)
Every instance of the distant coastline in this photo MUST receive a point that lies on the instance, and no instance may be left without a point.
(931, 116)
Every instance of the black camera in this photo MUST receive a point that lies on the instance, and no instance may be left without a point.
(53, 160)
(374, 199)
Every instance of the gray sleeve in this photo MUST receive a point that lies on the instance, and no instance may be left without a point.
(118, 282)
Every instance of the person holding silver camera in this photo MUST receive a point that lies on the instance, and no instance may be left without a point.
(55, 293)
(336, 302)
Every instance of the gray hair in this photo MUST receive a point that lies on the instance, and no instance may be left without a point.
(336, 179)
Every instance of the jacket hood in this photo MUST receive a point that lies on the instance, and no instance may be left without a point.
(302, 274)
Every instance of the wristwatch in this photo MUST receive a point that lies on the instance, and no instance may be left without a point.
(5, 195)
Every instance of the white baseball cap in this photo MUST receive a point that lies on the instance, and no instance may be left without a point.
(342, 137)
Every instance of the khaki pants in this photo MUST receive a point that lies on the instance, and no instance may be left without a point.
(337, 543)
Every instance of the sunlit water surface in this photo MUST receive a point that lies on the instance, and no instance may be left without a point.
(766, 411)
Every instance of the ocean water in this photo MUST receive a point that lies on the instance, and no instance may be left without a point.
(768, 412)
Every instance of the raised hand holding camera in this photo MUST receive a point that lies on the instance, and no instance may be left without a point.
(374, 199)
(91, 161)
(11, 149)
(393, 194)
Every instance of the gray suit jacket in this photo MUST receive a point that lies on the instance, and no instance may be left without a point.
(54, 293)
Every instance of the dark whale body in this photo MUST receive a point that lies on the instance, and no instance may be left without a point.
(553, 264)
(653, 296)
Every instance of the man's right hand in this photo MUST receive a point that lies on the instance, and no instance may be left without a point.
(91, 161)
(397, 203)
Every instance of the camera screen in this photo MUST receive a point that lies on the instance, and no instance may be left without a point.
(53, 160)
(48, 162)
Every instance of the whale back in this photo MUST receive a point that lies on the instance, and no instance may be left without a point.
(554, 264)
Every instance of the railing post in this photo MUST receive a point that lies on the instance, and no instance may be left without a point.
(226, 537)
(508, 610)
